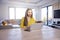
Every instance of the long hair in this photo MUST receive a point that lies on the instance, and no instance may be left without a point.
(25, 18)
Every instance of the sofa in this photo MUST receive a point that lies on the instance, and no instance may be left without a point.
(11, 24)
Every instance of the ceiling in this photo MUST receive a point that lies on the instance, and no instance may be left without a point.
(27, 1)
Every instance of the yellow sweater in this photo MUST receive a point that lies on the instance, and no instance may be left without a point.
(32, 21)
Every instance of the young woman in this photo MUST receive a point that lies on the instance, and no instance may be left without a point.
(28, 20)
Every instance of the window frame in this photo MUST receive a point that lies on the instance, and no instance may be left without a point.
(47, 13)
(15, 11)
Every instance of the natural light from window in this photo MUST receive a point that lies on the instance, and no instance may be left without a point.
(11, 13)
(18, 13)
(43, 14)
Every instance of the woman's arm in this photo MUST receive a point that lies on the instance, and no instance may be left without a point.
(21, 23)
(34, 21)
(38, 21)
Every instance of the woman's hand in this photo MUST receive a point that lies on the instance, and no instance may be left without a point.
(27, 29)
(38, 21)
(23, 28)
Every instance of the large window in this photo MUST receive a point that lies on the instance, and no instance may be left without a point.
(11, 13)
(50, 15)
(47, 15)
(44, 14)
(18, 13)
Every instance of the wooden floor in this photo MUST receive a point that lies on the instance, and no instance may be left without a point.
(45, 33)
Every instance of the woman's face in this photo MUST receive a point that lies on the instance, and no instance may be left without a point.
(29, 13)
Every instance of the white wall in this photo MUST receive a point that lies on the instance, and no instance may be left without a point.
(38, 14)
(4, 12)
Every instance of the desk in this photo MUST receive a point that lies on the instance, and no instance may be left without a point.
(10, 34)
(45, 33)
